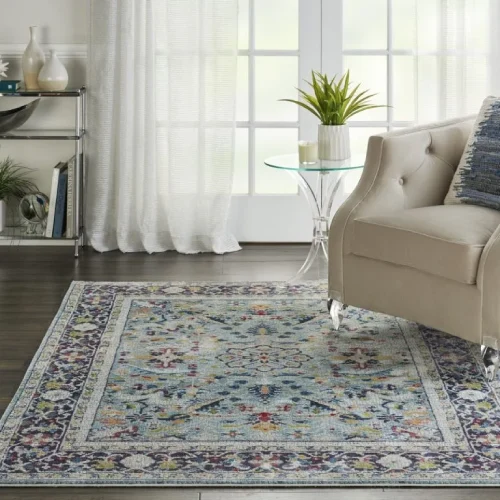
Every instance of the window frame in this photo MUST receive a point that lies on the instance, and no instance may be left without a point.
(334, 63)
(308, 55)
(320, 26)
(321, 47)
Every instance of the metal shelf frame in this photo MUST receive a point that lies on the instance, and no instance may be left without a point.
(78, 136)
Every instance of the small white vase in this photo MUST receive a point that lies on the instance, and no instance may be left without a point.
(333, 142)
(3, 215)
(53, 75)
(33, 61)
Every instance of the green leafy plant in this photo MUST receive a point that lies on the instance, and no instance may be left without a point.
(334, 102)
(14, 180)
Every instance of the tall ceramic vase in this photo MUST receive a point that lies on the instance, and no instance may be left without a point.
(333, 142)
(3, 215)
(33, 61)
(53, 75)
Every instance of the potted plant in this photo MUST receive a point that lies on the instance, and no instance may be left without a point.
(13, 183)
(333, 103)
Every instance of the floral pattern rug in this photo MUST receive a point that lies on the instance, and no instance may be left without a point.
(246, 384)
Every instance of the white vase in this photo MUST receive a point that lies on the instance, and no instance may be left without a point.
(3, 215)
(333, 142)
(33, 61)
(53, 75)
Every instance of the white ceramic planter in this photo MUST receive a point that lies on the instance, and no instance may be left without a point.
(333, 142)
(53, 76)
(33, 61)
(3, 215)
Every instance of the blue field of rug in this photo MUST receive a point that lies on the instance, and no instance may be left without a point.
(246, 384)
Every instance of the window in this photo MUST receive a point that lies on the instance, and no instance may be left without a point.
(380, 42)
(268, 70)
(378, 48)
(377, 41)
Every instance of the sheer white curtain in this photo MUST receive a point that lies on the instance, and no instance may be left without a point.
(457, 56)
(162, 98)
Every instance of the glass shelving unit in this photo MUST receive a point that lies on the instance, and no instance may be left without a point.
(76, 134)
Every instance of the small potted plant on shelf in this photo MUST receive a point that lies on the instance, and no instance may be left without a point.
(14, 183)
(333, 103)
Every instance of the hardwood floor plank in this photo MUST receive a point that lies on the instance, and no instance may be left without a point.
(12, 365)
(10, 382)
(270, 253)
(261, 267)
(269, 271)
(355, 494)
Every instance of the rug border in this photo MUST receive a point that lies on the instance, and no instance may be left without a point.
(38, 353)
(100, 483)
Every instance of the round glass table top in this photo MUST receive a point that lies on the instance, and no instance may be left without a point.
(291, 162)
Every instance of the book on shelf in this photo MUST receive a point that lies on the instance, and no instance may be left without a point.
(71, 230)
(60, 211)
(54, 191)
(9, 85)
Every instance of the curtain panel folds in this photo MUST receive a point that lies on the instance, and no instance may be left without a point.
(458, 56)
(162, 99)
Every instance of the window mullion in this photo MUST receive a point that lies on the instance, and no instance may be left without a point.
(271, 53)
(332, 36)
(310, 41)
(390, 65)
(251, 104)
(377, 123)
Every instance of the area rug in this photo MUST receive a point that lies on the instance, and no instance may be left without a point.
(245, 384)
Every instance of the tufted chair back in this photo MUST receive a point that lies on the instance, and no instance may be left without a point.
(418, 167)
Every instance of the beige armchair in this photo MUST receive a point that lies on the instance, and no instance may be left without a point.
(395, 248)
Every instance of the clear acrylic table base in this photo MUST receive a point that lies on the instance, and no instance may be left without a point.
(321, 199)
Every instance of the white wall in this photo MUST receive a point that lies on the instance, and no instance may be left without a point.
(63, 27)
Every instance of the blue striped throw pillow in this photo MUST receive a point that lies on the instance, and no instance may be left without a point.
(477, 179)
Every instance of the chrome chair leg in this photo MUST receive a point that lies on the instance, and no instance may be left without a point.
(335, 309)
(491, 362)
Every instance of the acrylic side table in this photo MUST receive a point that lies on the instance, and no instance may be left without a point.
(320, 197)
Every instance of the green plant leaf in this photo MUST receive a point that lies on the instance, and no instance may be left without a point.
(303, 105)
(14, 181)
(334, 101)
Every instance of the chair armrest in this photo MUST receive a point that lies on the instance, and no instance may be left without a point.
(488, 281)
(410, 168)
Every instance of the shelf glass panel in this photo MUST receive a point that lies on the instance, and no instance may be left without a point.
(19, 233)
(42, 135)
(76, 92)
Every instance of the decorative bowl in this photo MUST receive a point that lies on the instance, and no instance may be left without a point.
(14, 118)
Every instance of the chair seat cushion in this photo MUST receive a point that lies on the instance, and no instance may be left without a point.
(444, 240)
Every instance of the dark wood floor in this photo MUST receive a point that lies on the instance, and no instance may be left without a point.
(33, 282)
